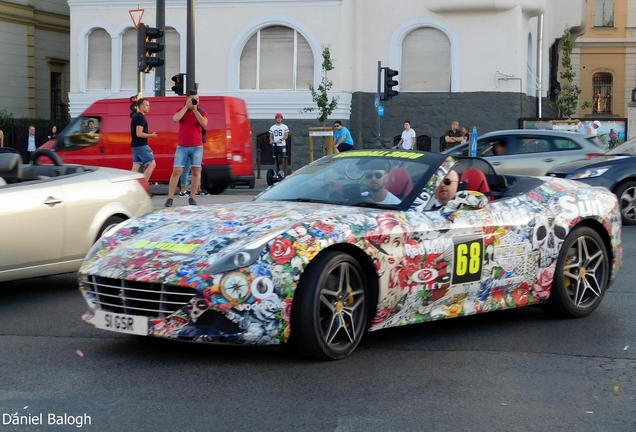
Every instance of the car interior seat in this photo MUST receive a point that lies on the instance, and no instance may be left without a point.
(11, 167)
(476, 181)
(399, 182)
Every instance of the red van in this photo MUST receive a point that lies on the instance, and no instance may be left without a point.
(101, 137)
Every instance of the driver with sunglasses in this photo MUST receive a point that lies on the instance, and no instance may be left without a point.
(446, 189)
(375, 178)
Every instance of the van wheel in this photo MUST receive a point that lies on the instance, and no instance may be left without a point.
(217, 188)
(232, 185)
(251, 184)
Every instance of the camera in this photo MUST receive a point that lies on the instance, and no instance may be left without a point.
(194, 101)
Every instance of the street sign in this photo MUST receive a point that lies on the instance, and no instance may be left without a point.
(380, 111)
(376, 101)
(136, 15)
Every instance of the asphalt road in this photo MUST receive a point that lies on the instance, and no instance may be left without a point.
(515, 370)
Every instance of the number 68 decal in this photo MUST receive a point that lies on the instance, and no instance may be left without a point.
(468, 259)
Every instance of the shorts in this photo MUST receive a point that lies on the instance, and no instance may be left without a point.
(193, 153)
(282, 151)
(142, 155)
(345, 147)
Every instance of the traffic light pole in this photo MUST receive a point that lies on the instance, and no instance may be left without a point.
(160, 72)
(190, 79)
(378, 142)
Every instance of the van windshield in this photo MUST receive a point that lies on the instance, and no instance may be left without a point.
(81, 133)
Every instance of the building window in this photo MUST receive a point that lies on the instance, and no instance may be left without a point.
(604, 13)
(99, 60)
(276, 58)
(602, 90)
(59, 110)
(172, 55)
(426, 61)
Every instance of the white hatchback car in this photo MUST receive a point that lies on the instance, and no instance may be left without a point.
(51, 215)
(530, 151)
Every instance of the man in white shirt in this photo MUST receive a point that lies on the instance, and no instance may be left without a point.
(278, 135)
(408, 139)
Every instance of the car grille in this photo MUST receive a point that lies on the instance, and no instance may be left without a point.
(137, 298)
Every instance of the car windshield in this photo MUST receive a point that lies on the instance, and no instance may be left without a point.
(627, 148)
(381, 178)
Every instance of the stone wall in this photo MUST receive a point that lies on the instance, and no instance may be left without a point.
(429, 113)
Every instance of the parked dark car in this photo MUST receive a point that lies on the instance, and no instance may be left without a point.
(615, 169)
(530, 151)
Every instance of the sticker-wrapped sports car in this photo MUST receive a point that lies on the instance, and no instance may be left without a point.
(355, 242)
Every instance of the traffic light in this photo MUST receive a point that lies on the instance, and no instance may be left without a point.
(389, 83)
(133, 105)
(179, 81)
(147, 47)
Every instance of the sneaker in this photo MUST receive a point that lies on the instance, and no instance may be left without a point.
(202, 193)
(168, 202)
(191, 201)
(184, 193)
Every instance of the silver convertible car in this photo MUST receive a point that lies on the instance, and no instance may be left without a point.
(355, 242)
(51, 214)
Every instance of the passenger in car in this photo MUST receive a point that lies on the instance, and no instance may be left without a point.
(376, 177)
(446, 189)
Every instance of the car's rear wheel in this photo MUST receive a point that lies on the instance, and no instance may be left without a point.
(329, 312)
(626, 194)
(110, 222)
(581, 275)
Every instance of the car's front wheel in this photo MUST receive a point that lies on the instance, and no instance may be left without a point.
(329, 312)
(626, 195)
(581, 275)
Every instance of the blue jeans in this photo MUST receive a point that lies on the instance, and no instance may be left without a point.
(184, 175)
(142, 155)
(191, 154)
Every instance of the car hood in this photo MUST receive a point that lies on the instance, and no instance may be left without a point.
(199, 236)
(586, 163)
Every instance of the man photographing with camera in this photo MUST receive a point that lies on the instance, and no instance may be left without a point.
(192, 120)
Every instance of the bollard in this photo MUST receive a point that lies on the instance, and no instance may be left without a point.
(258, 163)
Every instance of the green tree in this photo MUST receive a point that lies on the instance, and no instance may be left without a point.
(568, 95)
(320, 97)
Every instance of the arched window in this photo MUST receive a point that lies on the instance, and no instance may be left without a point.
(602, 90)
(426, 61)
(276, 58)
(99, 60)
(172, 57)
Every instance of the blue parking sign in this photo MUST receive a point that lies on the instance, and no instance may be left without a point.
(380, 111)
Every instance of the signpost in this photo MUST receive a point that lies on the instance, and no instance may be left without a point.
(136, 15)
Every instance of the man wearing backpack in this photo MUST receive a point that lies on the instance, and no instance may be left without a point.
(192, 121)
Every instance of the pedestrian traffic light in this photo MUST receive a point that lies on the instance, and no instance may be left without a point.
(147, 47)
(389, 83)
(179, 81)
(133, 105)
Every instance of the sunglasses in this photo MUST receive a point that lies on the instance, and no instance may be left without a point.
(448, 181)
(377, 175)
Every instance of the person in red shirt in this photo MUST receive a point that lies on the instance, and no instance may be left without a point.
(192, 120)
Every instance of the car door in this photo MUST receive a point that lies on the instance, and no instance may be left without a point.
(504, 162)
(32, 228)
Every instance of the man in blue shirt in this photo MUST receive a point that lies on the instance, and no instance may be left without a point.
(342, 140)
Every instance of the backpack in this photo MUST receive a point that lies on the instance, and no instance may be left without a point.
(204, 134)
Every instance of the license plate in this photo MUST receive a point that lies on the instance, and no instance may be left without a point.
(122, 323)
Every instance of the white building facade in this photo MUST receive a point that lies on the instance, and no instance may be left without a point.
(476, 60)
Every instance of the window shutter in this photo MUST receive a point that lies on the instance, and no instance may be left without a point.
(305, 64)
(277, 58)
(425, 61)
(99, 61)
(173, 56)
(129, 60)
(248, 64)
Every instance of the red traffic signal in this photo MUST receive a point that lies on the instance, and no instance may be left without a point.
(179, 84)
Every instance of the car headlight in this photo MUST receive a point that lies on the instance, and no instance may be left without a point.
(589, 173)
(243, 257)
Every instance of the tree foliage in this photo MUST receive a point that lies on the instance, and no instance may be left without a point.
(319, 95)
(568, 95)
